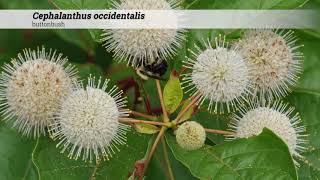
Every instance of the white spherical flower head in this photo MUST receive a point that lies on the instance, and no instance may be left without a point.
(32, 88)
(87, 123)
(143, 46)
(273, 59)
(191, 135)
(219, 74)
(277, 117)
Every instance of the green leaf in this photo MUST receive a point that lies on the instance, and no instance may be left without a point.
(172, 93)
(96, 35)
(83, 36)
(24, 4)
(306, 100)
(259, 157)
(54, 165)
(16, 155)
(244, 4)
(307, 104)
(312, 32)
(146, 128)
(80, 4)
(259, 4)
(309, 168)
(123, 162)
(212, 121)
(309, 79)
(80, 38)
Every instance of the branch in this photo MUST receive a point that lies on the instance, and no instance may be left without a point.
(136, 121)
(94, 173)
(194, 100)
(144, 92)
(166, 158)
(164, 111)
(152, 150)
(149, 117)
(215, 131)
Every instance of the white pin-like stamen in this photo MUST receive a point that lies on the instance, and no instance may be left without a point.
(273, 59)
(143, 46)
(32, 88)
(87, 124)
(219, 74)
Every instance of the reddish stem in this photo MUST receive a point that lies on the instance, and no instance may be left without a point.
(126, 84)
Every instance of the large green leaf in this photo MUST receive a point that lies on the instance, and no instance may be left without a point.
(54, 165)
(123, 163)
(307, 104)
(309, 79)
(15, 155)
(259, 157)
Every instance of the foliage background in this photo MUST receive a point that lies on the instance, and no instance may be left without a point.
(22, 158)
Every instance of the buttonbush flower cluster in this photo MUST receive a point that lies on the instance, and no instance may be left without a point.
(276, 116)
(143, 46)
(219, 74)
(88, 121)
(32, 88)
(274, 60)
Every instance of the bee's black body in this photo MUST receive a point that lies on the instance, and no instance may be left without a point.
(155, 69)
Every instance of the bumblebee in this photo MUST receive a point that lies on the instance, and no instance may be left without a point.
(155, 69)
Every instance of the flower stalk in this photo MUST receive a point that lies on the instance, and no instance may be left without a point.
(194, 100)
(136, 121)
(215, 131)
(147, 116)
(164, 111)
(152, 150)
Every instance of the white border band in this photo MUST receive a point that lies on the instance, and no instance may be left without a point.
(158, 19)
